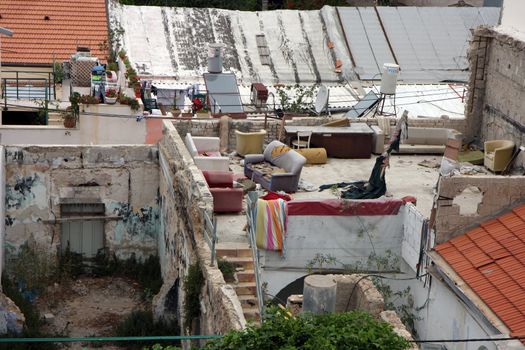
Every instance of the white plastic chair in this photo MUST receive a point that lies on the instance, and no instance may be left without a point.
(299, 143)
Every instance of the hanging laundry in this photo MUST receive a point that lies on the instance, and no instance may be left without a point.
(270, 227)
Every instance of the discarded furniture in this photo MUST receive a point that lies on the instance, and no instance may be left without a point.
(313, 155)
(249, 142)
(498, 154)
(277, 169)
(472, 157)
(205, 153)
(354, 141)
(428, 140)
(378, 140)
(226, 198)
(338, 122)
(303, 139)
(365, 105)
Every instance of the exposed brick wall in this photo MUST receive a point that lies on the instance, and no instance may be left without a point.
(496, 102)
(185, 197)
(499, 193)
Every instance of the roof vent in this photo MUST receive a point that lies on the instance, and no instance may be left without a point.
(46, 18)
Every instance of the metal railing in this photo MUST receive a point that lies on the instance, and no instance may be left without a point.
(25, 86)
(251, 202)
(210, 234)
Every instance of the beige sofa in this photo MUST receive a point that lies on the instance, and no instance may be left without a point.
(420, 140)
(249, 142)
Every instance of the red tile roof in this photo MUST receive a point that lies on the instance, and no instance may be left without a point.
(491, 260)
(36, 40)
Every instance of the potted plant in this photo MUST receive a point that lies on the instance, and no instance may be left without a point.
(111, 96)
(69, 117)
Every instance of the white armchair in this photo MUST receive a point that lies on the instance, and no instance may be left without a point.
(205, 153)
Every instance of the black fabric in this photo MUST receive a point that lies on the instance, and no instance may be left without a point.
(375, 187)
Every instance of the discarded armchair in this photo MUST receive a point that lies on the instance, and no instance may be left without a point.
(498, 154)
(277, 169)
(205, 153)
(226, 198)
(249, 142)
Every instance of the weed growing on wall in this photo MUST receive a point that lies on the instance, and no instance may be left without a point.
(227, 268)
(34, 267)
(193, 284)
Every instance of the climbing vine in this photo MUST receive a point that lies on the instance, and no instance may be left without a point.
(193, 284)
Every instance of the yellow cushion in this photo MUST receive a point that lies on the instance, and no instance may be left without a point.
(313, 155)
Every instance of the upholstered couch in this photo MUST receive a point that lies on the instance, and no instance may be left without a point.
(226, 198)
(420, 140)
(205, 153)
(277, 169)
(498, 154)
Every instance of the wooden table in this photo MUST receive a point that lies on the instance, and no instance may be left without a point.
(354, 141)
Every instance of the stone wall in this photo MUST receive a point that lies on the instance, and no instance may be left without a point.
(185, 198)
(498, 193)
(210, 127)
(124, 178)
(496, 102)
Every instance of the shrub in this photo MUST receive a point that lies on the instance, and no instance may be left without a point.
(349, 330)
(140, 323)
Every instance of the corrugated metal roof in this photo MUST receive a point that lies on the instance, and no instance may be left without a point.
(429, 43)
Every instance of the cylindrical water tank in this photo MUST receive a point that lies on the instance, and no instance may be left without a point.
(319, 294)
(389, 78)
(215, 58)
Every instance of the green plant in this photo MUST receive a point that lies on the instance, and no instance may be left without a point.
(227, 268)
(349, 330)
(296, 99)
(141, 323)
(89, 100)
(33, 321)
(58, 72)
(193, 284)
(69, 265)
(112, 66)
(146, 272)
(35, 267)
(130, 101)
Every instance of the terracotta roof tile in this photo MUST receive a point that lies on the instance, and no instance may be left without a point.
(491, 260)
(39, 41)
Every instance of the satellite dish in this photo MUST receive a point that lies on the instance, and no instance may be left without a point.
(321, 101)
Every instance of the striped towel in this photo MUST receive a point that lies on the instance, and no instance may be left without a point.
(270, 227)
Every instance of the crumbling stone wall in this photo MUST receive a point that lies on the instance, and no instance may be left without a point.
(498, 193)
(496, 101)
(123, 178)
(185, 198)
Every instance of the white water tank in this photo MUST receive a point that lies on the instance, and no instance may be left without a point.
(389, 78)
(215, 58)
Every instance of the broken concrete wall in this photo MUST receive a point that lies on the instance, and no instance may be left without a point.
(124, 178)
(484, 196)
(185, 198)
(496, 102)
(210, 127)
